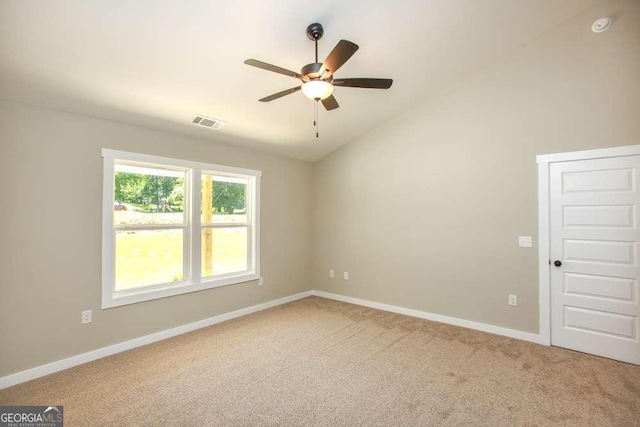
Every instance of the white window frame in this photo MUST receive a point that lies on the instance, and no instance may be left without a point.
(193, 280)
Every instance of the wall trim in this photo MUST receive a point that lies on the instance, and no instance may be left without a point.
(544, 288)
(80, 359)
(70, 362)
(544, 225)
(598, 153)
(484, 327)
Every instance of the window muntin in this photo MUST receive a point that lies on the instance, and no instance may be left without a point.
(160, 240)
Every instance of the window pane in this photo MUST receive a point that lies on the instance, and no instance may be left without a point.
(148, 195)
(224, 250)
(148, 257)
(224, 199)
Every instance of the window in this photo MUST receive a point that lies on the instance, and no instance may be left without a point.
(174, 226)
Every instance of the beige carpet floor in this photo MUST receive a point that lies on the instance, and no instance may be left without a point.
(322, 362)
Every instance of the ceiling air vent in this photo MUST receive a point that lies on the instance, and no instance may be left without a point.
(208, 122)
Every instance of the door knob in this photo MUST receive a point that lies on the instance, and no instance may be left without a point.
(557, 263)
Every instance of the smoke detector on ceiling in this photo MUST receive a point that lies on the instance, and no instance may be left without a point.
(208, 122)
(601, 25)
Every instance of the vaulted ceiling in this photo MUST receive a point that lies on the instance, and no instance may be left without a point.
(159, 63)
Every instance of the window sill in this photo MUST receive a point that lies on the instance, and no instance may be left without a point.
(112, 299)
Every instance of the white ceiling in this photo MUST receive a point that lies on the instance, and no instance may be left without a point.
(159, 63)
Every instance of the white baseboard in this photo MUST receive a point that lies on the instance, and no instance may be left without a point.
(525, 336)
(79, 359)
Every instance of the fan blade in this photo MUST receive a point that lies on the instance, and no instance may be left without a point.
(364, 83)
(338, 56)
(274, 68)
(330, 103)
(280, 94)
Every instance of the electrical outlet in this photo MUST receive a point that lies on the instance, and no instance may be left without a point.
(513, 300)
(261, 281)
(345, 276)
(86, 316)
(332, 273)
(525, 241)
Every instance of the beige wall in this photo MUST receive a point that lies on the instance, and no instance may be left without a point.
(51, 195)
(424, 212)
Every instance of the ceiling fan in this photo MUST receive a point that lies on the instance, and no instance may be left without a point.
(317, 78)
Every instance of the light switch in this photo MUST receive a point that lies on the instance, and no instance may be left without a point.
(525, 241)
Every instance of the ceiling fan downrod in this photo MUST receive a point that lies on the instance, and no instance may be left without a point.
(315, 33)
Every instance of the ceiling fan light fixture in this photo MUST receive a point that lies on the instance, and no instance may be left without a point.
(317, 89)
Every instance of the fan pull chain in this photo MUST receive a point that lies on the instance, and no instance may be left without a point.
(316, 122)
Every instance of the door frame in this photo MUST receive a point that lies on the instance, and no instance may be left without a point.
(544, 269)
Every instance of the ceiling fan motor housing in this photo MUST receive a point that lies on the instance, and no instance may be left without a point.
(312, 71)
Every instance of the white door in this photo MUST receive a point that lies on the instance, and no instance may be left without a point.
(595, 264)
